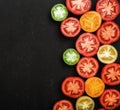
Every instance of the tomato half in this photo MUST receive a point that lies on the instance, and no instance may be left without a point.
(111, 74)
(78, 7)
(110, 99)
(87, 67)
(108, 9)
(63, 105)
(108, 33)
(87, 44)
(70, 27)
(73, 87)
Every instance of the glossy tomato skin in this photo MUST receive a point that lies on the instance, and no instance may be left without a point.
(87, 44)
(109, 9)
(111, 74)
(76, 7)
(62, 105)
(70, 27)
(110, 99)
(73, 86)
(108, 33)
(87, 67)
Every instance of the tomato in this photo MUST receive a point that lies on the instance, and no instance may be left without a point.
(108, 9)
(101, 109)
(108, 33)
(63, 105)
(73, 87)
(87, 44)
(94, 87)
(111, 74)
(87, 67)
(85, 103)
(59, 12)
(70, 27)
(71, 56)
(78, 7)
(110, 99)
(90, 21)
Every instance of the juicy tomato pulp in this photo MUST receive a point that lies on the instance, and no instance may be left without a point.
(111, 74)
(110, 99)
(70, 27)
(108, 9)
(94, 87)
(87, 44)
(90, 21)
(73, 87)
(85, 103)
(63, 105)
(87, 67)
(78, 7)
(108, 33)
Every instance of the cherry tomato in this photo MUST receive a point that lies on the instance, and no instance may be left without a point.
(108, 9)
(78, 7)
(110, 99)
(108, 33)
(70, 27)
(111, 74)
(87, 44)
(73, 87)
(63, 105)
(87, 67)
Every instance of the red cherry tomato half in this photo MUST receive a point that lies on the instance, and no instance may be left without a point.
(110, 99)
(78, 7)
(63, 105)
(70, 27)
(111, 74)
(73, 87)
(87, 67)
(109, 9)
(87, 44)
(108, 33)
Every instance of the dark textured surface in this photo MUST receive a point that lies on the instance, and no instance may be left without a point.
(31, 45)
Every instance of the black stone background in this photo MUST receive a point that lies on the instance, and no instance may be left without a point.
(31, 46)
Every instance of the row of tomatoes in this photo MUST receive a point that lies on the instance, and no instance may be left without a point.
(87, 46)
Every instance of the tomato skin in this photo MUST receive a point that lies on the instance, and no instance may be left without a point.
(110, 70)
(73, 86)
(110, 15)
(63, 103)
(87, 67)
(110, 99)
(109, 26)
(74, 10)
(70, 27)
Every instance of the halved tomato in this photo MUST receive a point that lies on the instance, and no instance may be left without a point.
(110, 99)
(108, 33)
(87, 67)
(78, 7)
(70, 27)
(63, 105)
(73, 87)
(111, 74)
(109, 9)
(87, 44)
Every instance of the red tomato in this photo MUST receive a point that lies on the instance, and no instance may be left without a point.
(110, 99)
(108, 33)
(63, 105)
(109, 9)
(87, 67)
(87, 44)
(111, 74)
(101, 109)
(73, 87)
(78, 7)
(70, 27)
